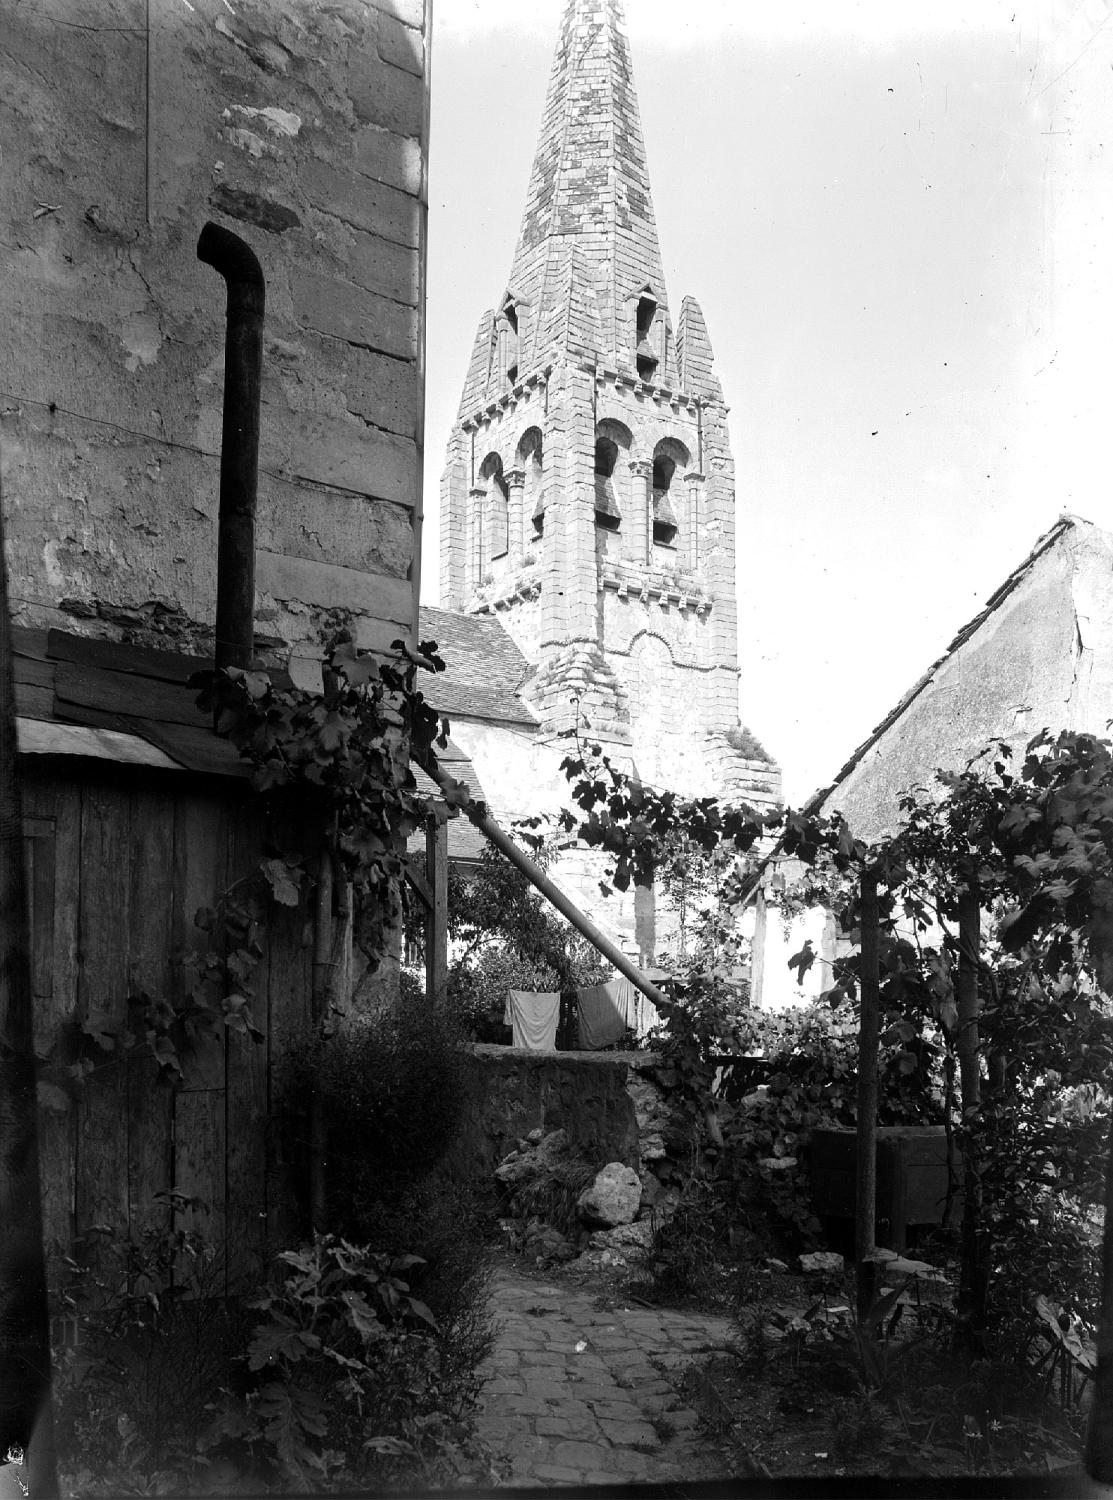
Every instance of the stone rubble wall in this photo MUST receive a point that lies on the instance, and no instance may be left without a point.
(609, 1108)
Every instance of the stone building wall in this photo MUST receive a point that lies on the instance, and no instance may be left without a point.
(301, 127)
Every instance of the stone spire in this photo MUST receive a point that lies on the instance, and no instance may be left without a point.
(588, 241)
(588, 495)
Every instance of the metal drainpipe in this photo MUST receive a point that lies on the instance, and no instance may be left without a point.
(239, 443)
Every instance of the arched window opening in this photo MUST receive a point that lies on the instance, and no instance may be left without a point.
(664, 517)
(530, 451)
(510, 313)
(607, 514)
(645, 355)
(498, 506)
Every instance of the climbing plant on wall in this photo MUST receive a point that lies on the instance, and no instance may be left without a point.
(347, 751)
(1030, 846)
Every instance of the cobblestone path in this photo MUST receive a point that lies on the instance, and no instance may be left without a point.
(578, 1396)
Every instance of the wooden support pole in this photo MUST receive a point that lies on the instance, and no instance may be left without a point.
(322, 976)
(436, 912)
(865, 1198)
(1099, 1435)
(26, 1419)
(974, 1275)
(482, 819)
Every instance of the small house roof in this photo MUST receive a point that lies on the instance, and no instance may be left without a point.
(485, 668)
(103, 700)
(106, 699)
(1068, 531)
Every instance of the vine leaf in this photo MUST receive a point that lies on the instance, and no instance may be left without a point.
(280, 877)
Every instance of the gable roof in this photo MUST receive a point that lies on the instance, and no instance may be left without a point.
(978, 632)
(485, 668)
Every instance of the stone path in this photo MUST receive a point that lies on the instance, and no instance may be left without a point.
(577, 1396)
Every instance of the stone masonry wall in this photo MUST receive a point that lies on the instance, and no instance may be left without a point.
(596, 1097)
(303, 128)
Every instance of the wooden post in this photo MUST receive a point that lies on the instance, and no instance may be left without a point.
(436, 911)
(973, 1280)
(1099, 1436)
(322, 975)
(26, 1419)
(865, 1198)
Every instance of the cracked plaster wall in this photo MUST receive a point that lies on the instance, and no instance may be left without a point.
(126, 125)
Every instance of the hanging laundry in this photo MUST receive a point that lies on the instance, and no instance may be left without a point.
(607, 1012)
(533, 1014)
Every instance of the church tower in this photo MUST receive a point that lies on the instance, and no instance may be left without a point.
(588, 496)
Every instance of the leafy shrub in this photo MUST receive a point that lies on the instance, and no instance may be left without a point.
(395, 1087)
(155, 1336)
(477, 990)
(346, 1378)
(687, 1243)
(508, 938)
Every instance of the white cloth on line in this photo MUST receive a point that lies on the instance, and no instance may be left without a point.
(534, 1015)
(606, 1013)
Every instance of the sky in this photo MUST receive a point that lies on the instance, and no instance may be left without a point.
(898, 220)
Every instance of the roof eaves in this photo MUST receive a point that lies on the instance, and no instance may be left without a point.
(1064, 524)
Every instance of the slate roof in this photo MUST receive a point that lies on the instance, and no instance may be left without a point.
(485, 669)
(465, 842)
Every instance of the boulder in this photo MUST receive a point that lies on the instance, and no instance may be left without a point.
(546, 1243)
(537, 1160)
(613, 1198)
(652, 1147)
(629, 1239)
(824, 1262)
(659, 1199)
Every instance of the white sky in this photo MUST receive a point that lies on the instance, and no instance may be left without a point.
(898, 220)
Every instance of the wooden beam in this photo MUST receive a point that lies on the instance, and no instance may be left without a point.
(26, 1419)
(482, 819)
(1099, 1436)
(416, 876)
(436, 917)
(974, 1275)
(865, 1197)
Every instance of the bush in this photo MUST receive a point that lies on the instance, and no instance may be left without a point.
(333, 1374)
(155, 1338)
(350, 1379)
(395, 1088)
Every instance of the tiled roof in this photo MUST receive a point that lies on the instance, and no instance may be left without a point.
(465, 842)
(484, 668)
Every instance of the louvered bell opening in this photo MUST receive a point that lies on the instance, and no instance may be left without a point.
(646, 359)
(607, 513)
(663, 513)
(665, 524)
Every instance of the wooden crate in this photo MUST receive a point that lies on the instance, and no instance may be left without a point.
(911, 1178)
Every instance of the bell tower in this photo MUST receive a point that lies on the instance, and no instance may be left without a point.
(588, 496)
